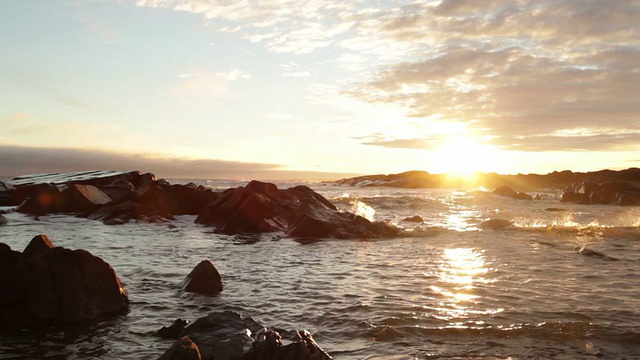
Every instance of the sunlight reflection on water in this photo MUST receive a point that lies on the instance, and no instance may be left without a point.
(460, 271)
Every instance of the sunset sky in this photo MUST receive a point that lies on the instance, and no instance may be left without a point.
(284, 88)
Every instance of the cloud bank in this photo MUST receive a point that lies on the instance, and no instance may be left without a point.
(516, 72)
(15, 161)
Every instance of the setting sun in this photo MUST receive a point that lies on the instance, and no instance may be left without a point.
(463, 156)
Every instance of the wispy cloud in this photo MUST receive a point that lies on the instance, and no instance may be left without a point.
(209, 85)
(516, 71)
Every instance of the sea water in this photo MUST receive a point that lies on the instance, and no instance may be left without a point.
(445, 289)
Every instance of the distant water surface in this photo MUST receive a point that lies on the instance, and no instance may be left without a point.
(444, 290)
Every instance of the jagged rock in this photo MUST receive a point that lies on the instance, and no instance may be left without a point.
(509, 192)
(173, 331)
(183, 349)
(187, 199)
(226, 335)
(204, 279)
(84, 198)
(40, 199)
(298, 211)
(38, 245)
(116, 214)
(6, 194)
(56, 285)
(268, 346)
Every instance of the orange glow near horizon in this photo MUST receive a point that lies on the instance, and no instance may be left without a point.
(462, 156)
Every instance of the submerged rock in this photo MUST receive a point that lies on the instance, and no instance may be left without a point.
(3, 220)
(494, 224)
(54, 285)
(204, 279)
(228, 335)
(415, 219)
(183, 349)
(509, 192)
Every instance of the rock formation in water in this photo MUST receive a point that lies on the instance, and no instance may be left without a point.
(53, 285)
(590, 192)
(227, 335)
(509, 192)
(108, 196)
(298, 211)
(204, 279)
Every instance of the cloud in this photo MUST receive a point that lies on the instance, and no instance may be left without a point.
(209, 85)
(16, 160)
(515, 71)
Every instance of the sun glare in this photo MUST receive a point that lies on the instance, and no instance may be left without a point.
(463, 156)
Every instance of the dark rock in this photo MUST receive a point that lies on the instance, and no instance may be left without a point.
(204, 279)
(415, 219)
(187, 199)
(585, 251)
(554, 209)
(6, 194)
(228, 335)
(40, 199)
(495, 224)
(299, 211)
(573, 197)
(116, 214)
(268, 346)
(84, 198)
(173, 331)
(38, 245)
(509, 192)
(152, 202)
(628, 198)
(183, 349)
(58, 286)
(120, 190)
(3, 220)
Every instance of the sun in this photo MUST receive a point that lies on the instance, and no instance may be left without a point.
(463, 156)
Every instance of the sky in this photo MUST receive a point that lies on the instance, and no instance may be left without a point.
(318, 88)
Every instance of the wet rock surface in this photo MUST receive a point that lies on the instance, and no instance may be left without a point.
(204, 279)
(298, 211)
(45, 284)
(227, 335)
(110, 196)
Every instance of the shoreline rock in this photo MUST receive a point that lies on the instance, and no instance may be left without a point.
(45, 284)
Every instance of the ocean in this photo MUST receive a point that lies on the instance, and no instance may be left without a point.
(447, 288)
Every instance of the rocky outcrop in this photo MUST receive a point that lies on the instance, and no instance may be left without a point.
(53, 285)
(298, 211)
(183, 349)
(109, 196)
(590, 192)
(228, 335)
(509, 192)
(204, 279)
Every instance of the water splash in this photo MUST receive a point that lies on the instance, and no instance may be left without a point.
(362, 209)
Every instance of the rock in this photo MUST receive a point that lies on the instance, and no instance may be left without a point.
(117, 214)
(3, 220)
(173, 331)
(627, 198)
(188, 199)
(268, 346)
(183, 349)
(40, 199)
(204, 279)
(84, 198)
(585, 251)
(6, 194)
(38, 245)
(415, 219)
(509, 192)
(555, 209)
(228, 335)
(495, 224)
(298, 211)
(56, 286)
(573, 197)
